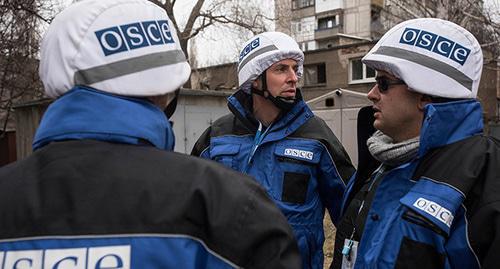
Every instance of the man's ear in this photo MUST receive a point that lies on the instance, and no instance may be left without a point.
(256, 84)
(424, 100)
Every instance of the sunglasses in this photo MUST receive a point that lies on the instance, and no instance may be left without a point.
(384, 83)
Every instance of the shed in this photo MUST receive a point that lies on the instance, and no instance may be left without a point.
(196, 111)
(339, 109)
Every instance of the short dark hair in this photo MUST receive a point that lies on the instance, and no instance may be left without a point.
(437, 99)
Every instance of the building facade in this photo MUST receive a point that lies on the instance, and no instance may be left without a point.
(319, 24)
(335, 35)
(325, 70)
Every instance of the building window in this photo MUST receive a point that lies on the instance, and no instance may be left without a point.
(359, 72)
(328, 22)
(297, 4)
(314, 74)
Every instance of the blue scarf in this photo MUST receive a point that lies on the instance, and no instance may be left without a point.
(85, 113)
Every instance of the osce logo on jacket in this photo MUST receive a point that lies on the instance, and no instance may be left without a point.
(434, 209)
(248, 48)
(436, 44)
(299, 153)
(133, 36)
(75, 258)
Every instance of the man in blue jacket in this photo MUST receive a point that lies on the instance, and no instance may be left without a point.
(102, 188)
(434, 202)
(273, 136)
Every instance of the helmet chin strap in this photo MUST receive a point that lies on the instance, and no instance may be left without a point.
(172, 105)
(283, 103)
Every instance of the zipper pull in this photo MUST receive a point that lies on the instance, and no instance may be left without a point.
(346, 250)
(256, 143)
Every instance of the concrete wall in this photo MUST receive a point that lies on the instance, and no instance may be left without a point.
(325, 5)
(303, 29)
(357, 17)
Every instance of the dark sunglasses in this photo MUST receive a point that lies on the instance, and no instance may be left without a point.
(384, 83)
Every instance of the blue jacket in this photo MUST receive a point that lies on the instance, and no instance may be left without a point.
(298, 161)
(102, 191)
(439, 210)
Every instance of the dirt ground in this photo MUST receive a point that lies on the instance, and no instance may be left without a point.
(329, 241)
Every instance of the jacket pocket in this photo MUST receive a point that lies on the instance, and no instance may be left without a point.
(297, 166)
(225, 154)
(414, 254)
(295, 187)
(415, 218)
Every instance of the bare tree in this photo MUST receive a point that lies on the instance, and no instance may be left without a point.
(23, 21)
(20, 28)
(470, 14)
(244, 14)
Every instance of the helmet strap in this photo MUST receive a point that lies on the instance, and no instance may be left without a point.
(170, 109)
(284, 104)
(263, 89)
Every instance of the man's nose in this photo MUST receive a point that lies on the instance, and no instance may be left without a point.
(292, 77)
(373, 93)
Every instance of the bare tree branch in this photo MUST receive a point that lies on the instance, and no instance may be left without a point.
(215, 13)
(195, 13)
(20, 22)
(470, 14)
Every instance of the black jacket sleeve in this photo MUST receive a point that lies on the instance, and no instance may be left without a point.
(202, 143)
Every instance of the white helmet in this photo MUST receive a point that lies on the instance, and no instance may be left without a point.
(433, 57)
(124, 47)
(262, 51)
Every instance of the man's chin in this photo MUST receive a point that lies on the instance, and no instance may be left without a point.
(377, 125)
(288, 95)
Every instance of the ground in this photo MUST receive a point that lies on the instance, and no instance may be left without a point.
(329, 241)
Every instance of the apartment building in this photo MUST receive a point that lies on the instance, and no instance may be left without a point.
(319, 24)
(335, 35)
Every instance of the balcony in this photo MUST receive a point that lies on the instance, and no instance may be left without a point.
(327, 32)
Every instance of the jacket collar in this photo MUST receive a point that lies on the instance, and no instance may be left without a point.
(445, 123)
(85, 113)
(240, 104)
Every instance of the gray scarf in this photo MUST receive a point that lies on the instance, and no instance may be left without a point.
(384, 150)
